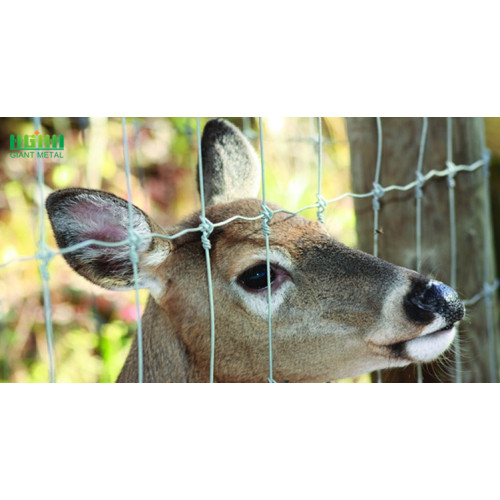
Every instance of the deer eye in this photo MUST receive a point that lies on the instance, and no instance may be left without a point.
(255, 278)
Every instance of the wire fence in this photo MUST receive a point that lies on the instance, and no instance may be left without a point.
(45, 253)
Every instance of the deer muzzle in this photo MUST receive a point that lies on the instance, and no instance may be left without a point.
(437, 308)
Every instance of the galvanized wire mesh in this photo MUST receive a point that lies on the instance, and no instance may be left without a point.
(45, 254)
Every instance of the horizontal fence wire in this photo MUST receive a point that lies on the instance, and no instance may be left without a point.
(45, 254)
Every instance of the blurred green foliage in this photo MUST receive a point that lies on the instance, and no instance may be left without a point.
(93, 328)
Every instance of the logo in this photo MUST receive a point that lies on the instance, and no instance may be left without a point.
(44, 146)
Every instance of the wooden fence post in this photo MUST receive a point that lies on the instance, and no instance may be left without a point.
(397, 226)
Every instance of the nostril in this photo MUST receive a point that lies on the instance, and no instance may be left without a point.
(434, 298)
(451, 307)
(442, 299)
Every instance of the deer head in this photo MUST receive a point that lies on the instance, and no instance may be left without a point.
(336, 311)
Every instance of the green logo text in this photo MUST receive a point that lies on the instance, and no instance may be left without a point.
(45, 146)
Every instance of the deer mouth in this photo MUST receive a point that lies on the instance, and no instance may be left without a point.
(426, 347)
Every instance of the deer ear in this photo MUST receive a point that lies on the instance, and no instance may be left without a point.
(231, 169)
(78, 215)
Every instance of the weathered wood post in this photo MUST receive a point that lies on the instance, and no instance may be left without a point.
(401, 138)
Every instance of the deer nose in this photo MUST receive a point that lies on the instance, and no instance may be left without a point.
(435, 298)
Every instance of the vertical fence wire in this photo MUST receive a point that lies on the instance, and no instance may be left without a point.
(453, 239)
(267, 214)
(418, 222)
(247, 130)
(378, 192)
(44, 256)
(488, 296)
(206, 228)
(488, 275)
(319, 197)
(134, 240)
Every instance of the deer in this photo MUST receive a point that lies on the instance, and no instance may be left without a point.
(336, 312)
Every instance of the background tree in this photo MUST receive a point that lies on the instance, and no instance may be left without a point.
(397, 229)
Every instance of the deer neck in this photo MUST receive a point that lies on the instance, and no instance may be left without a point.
(165, 357)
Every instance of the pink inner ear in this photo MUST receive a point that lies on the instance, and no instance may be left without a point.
(103, 222)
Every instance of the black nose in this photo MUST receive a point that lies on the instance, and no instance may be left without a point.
(426, 300)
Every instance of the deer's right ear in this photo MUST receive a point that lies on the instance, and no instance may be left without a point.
(231, 168)
(78, 215)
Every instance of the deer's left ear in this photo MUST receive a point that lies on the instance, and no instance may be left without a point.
(78, 215)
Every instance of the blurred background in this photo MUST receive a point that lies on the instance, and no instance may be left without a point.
(93, 328)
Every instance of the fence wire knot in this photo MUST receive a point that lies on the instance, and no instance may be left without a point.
(135, 240)
(452, 170)
(45, 255)
(321, 207)
(487, 160)
(451, 181)
(490, 289)
(267, 214)
(206, 228)
(44, 270)
(420, 183)
(378, 192)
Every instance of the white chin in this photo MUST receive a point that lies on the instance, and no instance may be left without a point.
(430, 346)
